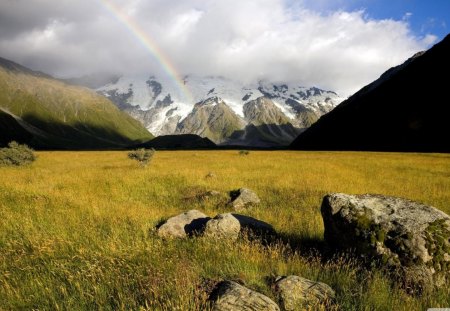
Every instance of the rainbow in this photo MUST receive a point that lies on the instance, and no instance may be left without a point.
(150, 46)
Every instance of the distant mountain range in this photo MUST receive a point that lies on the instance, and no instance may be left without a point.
(49, 114)
(225, 111)
(406, 109)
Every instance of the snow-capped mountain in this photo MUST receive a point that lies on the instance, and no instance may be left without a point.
(221, 109)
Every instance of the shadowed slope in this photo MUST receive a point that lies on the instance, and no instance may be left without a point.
(404, 110)
(182, 141)
(59, 116)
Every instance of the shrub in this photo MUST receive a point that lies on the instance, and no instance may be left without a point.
(243, 152)
(16, 154)
(142, 155)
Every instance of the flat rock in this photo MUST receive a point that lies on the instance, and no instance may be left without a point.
(230, 296)
(243, 198)
(297, 293)
(410, 237)
(223, 226)
(183, 225)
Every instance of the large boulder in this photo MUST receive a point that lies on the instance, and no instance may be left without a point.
(297, 293)
(411, 237)
(223, 226)
(183, 225)
(230, 296)
(243, 198)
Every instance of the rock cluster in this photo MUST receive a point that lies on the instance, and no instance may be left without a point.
(226, 225)
(409, 238)
(223, 226)
(292, 292)
(230, 296)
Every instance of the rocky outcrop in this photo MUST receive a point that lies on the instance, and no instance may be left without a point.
(183, 225)
(297, 293)
(230, 296)
(263, 111)
(243, 198)
(211, 118)
(410, 237)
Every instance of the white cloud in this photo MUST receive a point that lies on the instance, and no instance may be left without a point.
(407, 16)
(242, 39)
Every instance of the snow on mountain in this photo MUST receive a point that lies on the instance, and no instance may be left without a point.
(162, 105)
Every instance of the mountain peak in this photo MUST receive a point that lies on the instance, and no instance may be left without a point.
(141, 96)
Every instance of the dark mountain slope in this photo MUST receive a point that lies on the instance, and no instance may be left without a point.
(11, 130)
(182, 141)
(55, 115)
(406, 109)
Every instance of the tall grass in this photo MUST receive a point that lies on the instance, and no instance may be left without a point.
(76, 228)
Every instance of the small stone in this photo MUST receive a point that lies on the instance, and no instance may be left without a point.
(243, 198)
(297, 293)
(230, 296)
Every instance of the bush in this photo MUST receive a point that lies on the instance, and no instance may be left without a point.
(16, 154)
(243, 152)
(143, 156)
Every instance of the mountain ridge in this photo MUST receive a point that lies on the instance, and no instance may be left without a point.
(56, 115)
(162, 108)
(403, 110)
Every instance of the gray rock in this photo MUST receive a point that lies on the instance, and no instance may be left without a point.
(254, 225)
(231, 225)
(297, 293)
(243, 198)
(410, 237)
(230, 296)
(223, 226)
(182, 225)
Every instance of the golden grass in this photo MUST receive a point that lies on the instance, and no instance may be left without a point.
(76, 227)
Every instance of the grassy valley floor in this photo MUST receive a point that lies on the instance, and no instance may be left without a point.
(76, 228)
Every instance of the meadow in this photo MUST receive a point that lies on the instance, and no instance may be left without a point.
(77, 228)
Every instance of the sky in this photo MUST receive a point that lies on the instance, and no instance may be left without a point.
(339, 45)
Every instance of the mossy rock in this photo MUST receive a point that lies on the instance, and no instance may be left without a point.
(409, 237)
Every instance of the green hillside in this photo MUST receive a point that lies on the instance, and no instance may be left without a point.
(61, 116)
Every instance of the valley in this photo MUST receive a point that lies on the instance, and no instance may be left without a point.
(77, 229)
